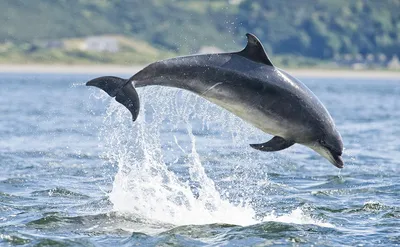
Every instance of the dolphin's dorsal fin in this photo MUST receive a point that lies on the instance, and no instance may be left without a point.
(275, 144)
(254, 50)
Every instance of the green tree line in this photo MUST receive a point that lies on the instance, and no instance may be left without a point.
(324, 28)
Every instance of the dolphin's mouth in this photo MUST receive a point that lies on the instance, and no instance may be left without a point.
(334, 157)
(337, 161)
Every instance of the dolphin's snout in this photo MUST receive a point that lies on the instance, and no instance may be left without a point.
(334, 145)
(338, 161)
(334, 156)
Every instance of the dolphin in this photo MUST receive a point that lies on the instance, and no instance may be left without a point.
(247, 84)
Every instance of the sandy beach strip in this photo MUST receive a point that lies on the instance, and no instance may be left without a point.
(130, 70)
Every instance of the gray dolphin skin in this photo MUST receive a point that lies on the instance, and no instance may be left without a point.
(247, 84)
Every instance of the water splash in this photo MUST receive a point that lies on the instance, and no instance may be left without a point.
(164, 180)
(145, 185)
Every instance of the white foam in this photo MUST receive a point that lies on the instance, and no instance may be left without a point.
(297, 216)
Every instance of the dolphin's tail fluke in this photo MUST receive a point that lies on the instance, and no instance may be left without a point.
(121, 89)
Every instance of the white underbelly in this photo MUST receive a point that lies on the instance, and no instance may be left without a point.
(256, 117)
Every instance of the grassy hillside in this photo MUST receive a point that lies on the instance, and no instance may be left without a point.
(169, 25)
(314, 29)
(131, 51)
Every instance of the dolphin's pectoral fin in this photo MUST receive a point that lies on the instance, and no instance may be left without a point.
(254, 51)
(275, 144)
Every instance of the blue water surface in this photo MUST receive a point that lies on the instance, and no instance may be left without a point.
(77, 172)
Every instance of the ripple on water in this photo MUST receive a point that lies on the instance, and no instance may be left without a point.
(59, 192)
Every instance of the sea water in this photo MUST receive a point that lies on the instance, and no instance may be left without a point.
(77, 171)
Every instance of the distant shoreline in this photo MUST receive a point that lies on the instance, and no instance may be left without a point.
(121, 69)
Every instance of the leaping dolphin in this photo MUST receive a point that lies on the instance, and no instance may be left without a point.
(247, 84)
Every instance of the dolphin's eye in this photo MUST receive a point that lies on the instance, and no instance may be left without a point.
(323, 143)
